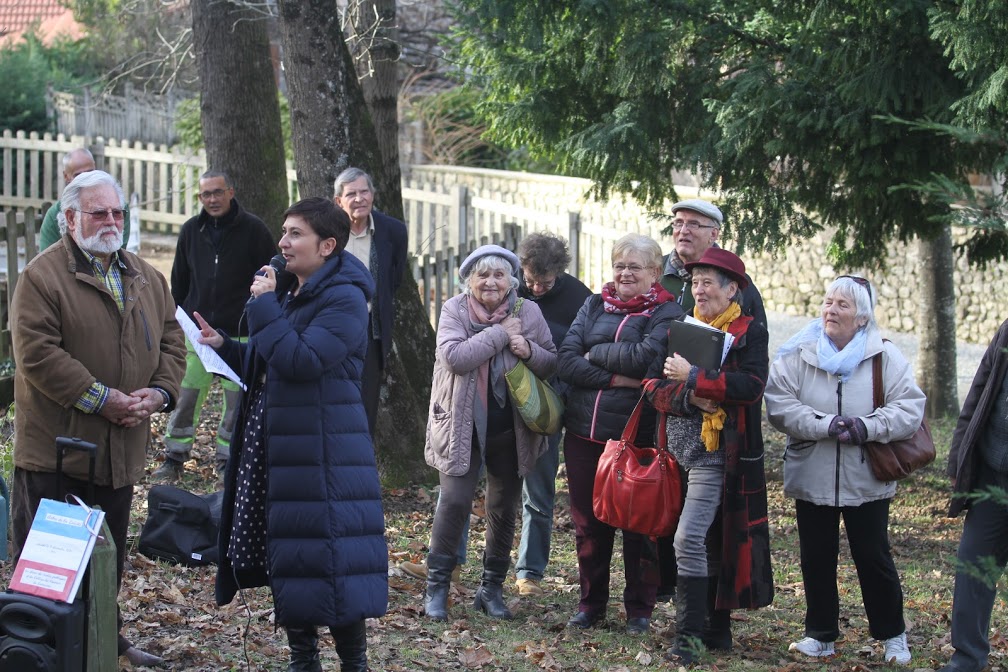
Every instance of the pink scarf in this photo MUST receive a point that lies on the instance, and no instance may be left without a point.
(490, 375)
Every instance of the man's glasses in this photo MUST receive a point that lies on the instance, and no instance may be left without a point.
(690, 225)
(544, 285)
(216, 193)
(116, 213)
(633, 268)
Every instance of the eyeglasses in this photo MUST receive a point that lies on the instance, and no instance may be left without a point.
(859, 280)
(544, 285)
(216, 193)
(690, 225)
(633, 268)
(116, 213)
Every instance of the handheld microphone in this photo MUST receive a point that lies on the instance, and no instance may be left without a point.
(278, 263)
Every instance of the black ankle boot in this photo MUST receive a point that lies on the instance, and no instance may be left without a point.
(691, 611)
(439, 569)
(717, 631)
(304, 655)
(351, 646)
(490, 594)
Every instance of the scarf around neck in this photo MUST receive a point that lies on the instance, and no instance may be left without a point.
(713, 423)
(643, 304)
(838, 362)
(489, 378)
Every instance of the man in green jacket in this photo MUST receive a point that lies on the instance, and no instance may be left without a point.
(75, 162)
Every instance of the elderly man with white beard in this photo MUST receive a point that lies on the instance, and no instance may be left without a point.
(97, 351)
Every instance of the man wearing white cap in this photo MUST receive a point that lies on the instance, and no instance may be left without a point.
(695, 227)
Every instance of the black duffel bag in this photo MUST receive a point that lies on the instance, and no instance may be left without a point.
(181, 526)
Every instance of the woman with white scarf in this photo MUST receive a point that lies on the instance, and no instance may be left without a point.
(819, 393)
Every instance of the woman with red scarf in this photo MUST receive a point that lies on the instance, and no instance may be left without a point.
(616, 336)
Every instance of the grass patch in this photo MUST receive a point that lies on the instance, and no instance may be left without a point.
(171, 609)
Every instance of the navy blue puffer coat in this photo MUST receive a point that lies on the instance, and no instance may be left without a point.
(327, 555)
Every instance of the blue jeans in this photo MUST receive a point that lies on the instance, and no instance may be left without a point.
(985, 534)
(538, 494)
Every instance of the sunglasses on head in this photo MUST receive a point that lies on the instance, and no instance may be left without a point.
(859, 280)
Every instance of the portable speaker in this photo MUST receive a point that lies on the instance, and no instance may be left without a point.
(40, 635)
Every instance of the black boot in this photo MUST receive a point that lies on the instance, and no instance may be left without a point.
(351, 646)
(439, 569)
(490, 594)
(717, 631)
(691, 611)
(304, 650)
(667, 567)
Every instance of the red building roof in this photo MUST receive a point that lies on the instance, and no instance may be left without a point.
(50, 18)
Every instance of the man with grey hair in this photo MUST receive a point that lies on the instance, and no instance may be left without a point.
(75, 162)
(379, 242)
(97, 352)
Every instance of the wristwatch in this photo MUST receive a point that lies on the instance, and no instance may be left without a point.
(167, 399)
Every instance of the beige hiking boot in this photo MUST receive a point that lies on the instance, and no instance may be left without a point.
(418, 570)
(529, 587)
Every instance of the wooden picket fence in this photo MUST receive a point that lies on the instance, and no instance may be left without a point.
(166, 180)
(18, 249)
(448, 210)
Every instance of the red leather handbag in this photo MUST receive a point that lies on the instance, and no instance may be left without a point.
(637, 489)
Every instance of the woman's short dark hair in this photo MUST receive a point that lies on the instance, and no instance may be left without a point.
(543, 254)
(325, 219)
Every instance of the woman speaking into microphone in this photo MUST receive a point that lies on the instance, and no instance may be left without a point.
(302, 508)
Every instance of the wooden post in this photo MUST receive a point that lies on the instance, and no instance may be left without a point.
(574, 243)
(103, 631)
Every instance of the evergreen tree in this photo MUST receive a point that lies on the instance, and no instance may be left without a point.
(783, 107)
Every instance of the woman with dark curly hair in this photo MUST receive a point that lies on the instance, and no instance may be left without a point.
(544, 259)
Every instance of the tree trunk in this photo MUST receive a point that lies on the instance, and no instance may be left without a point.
(936, 326)
(239, 105)
(332, 130)
(377, 38)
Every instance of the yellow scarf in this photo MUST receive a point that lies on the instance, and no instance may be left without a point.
(713, 423)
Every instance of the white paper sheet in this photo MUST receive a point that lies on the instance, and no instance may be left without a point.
(212, 362)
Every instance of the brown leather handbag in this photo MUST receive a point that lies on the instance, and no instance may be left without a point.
(896, 460)
(637, 489)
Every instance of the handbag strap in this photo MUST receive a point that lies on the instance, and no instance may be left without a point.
(877, 396)
(517, 306)
(630, 431)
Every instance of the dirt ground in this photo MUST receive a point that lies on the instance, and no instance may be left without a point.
(159, 251)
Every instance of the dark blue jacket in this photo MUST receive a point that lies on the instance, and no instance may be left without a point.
(390, 238)
(328, 560)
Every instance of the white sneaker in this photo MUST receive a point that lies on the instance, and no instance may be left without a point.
(814, 648)
(896, 650)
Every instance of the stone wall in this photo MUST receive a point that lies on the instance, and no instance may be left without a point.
(793, 282)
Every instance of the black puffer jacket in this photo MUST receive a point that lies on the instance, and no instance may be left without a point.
(618, 344)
